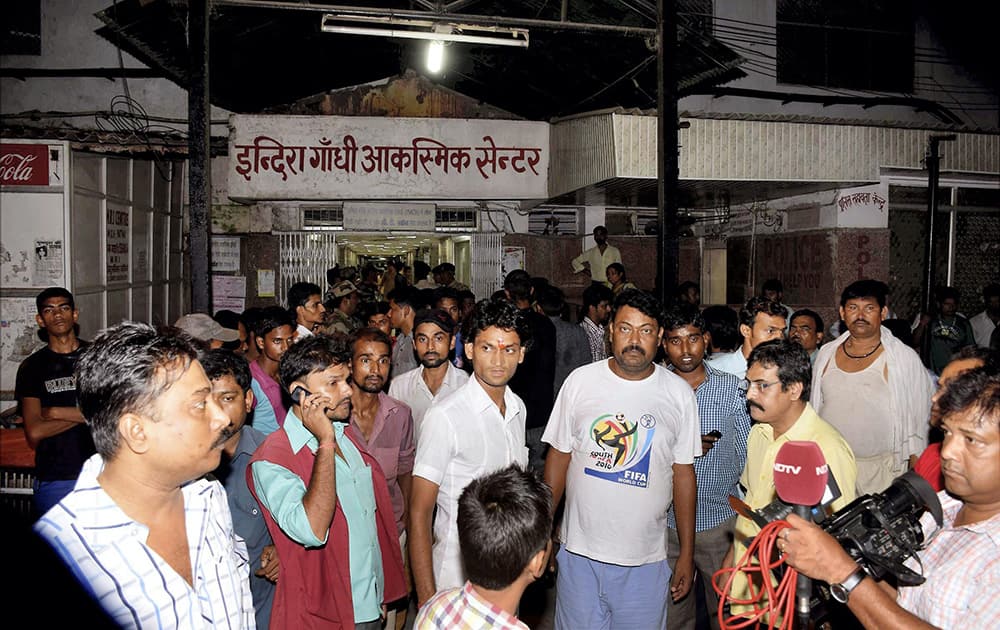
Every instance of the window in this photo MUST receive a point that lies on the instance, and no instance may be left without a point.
(21, 33)
(445, 217)
(852, 44)
(322, 217)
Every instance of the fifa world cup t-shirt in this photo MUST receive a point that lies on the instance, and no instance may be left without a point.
(624, 438)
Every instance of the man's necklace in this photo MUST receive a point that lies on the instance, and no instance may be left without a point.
(860, 356)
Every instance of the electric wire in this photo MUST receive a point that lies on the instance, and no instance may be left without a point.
(773, 605)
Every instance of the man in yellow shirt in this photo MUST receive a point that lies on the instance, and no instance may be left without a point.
(777, 389)
(597, 258)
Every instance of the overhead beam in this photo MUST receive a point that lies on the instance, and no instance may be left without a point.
(110, 73)
(466, 18)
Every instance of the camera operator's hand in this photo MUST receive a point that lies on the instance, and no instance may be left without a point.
(814, 553)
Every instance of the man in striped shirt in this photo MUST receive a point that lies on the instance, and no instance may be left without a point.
(124, 529)
(725, 424)
(597, 307)
(504, 520)
(961, 564)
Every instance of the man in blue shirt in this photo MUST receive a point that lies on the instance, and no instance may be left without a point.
(725, 425)
(230, 376)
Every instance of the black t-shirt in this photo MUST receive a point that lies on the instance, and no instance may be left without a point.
(48, 376)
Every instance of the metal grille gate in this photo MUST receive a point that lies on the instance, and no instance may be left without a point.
(304, 257)
(487, 254)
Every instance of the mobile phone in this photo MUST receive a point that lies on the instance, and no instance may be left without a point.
(299, 393)
(716, 434)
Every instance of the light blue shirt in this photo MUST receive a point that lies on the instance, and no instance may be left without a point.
(732, 362)
(281, 492)
(264, 418)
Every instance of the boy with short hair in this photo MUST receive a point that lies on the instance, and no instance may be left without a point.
(504, 520)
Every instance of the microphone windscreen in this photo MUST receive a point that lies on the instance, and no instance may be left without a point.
(800, 473)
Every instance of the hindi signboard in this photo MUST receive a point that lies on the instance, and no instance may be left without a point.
(354, 157)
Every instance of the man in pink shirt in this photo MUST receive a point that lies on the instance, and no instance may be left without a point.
(274, 331)
(383, 425)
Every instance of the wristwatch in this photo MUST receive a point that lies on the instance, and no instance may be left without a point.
(842, 591)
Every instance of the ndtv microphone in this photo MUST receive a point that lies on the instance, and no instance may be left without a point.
(800, 474)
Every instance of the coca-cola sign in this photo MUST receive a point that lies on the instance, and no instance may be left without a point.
(24, 165)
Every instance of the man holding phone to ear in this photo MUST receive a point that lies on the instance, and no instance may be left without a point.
(325, 500)
(725, 425)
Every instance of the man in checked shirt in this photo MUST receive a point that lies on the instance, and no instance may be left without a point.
(722, 410)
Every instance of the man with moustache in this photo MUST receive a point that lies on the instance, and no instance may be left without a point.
(383, 425)
(326, 501)
(437, 377)
(722, 410)
(230, 379)
(150, 538)
(623, 436)
(761, 320)
(873, 388)
(806, 329)
(475, 431)
(777, 393)
(961, 564)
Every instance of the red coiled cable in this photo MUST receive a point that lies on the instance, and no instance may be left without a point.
(769, 605)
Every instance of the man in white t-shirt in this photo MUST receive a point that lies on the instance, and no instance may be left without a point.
(624, 434)
(477, 430)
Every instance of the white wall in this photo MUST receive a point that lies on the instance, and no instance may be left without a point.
(978, 107)
(69, 41)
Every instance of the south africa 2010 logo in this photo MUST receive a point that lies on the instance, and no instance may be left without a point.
(621, 448)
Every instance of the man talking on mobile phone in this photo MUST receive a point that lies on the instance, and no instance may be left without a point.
(326, 501)
(725, 425)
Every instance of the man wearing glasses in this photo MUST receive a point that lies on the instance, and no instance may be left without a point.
(777, 390)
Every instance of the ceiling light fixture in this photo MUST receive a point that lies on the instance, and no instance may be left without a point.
(435, 56)
(407, 28)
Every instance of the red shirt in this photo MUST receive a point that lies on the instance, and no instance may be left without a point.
(928, 466)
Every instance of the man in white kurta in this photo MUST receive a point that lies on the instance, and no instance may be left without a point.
(873, 388)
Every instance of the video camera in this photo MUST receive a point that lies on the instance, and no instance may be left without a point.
(879, 531)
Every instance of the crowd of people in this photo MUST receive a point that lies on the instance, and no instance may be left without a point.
(383, 442)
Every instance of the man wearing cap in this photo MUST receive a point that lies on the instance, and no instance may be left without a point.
(340, 308)
(433, 339)
(444, 276)
(207, 330)
(305, 303)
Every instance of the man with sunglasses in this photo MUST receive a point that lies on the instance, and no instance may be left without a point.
(777, 390)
